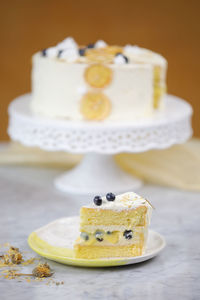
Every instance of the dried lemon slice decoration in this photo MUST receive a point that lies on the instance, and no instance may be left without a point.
(98, 56)
(103, 55)
(95, 106)
(113, 50)
(98, 75)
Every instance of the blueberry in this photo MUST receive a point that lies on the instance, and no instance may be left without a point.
(44, 52)
(128, 234)
(97, 200)
(59, 53)
(125, 57)
(82, 51)
(99, 236)
(110, 197)
(84, 236)
(109, 232)
(90, 46)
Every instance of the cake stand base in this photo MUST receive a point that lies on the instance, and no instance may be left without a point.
(96, 174)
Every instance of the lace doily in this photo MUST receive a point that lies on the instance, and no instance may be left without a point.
(171, 126)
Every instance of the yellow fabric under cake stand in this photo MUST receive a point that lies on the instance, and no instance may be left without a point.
(178, 166)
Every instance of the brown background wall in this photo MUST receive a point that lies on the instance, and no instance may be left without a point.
(170, 27)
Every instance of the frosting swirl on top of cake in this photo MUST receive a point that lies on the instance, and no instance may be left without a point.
(69, 51)
(142, 55)
(129, 200)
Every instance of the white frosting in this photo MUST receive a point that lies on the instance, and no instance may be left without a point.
(55, 83)
(142, 55)
(52, 52)
(129, 200)
(69, 55)
(119, 59)
(100, 44)
(67, 43)
(81, 90)
(129, 49)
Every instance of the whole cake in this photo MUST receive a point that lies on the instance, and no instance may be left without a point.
(113, 226)
(97, 82)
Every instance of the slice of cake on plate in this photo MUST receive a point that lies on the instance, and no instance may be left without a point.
(113, 226)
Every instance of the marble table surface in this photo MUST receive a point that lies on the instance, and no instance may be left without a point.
(28, 200)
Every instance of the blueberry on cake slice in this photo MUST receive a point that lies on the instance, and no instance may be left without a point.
(113, 226)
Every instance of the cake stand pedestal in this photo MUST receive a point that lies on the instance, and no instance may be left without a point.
(97, 173)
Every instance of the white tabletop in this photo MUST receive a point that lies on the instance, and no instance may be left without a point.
(29, 200)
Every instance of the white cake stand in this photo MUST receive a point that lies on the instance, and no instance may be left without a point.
(98, 173)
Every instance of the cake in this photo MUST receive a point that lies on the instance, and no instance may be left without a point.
(113, 226)
(97, 82)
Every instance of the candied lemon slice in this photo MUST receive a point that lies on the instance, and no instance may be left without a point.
(157, 74)
(103, 55)
(158, 93)
(98, 75)
(98, 56)
(95, 106)
(113, 50)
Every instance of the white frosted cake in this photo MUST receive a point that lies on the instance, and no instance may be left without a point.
(97, 82)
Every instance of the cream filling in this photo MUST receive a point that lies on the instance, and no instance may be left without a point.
(107, 237)
(93, 228)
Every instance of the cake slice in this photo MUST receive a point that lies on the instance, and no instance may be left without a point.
(113, 226)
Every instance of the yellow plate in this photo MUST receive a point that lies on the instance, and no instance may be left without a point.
(55, 242)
